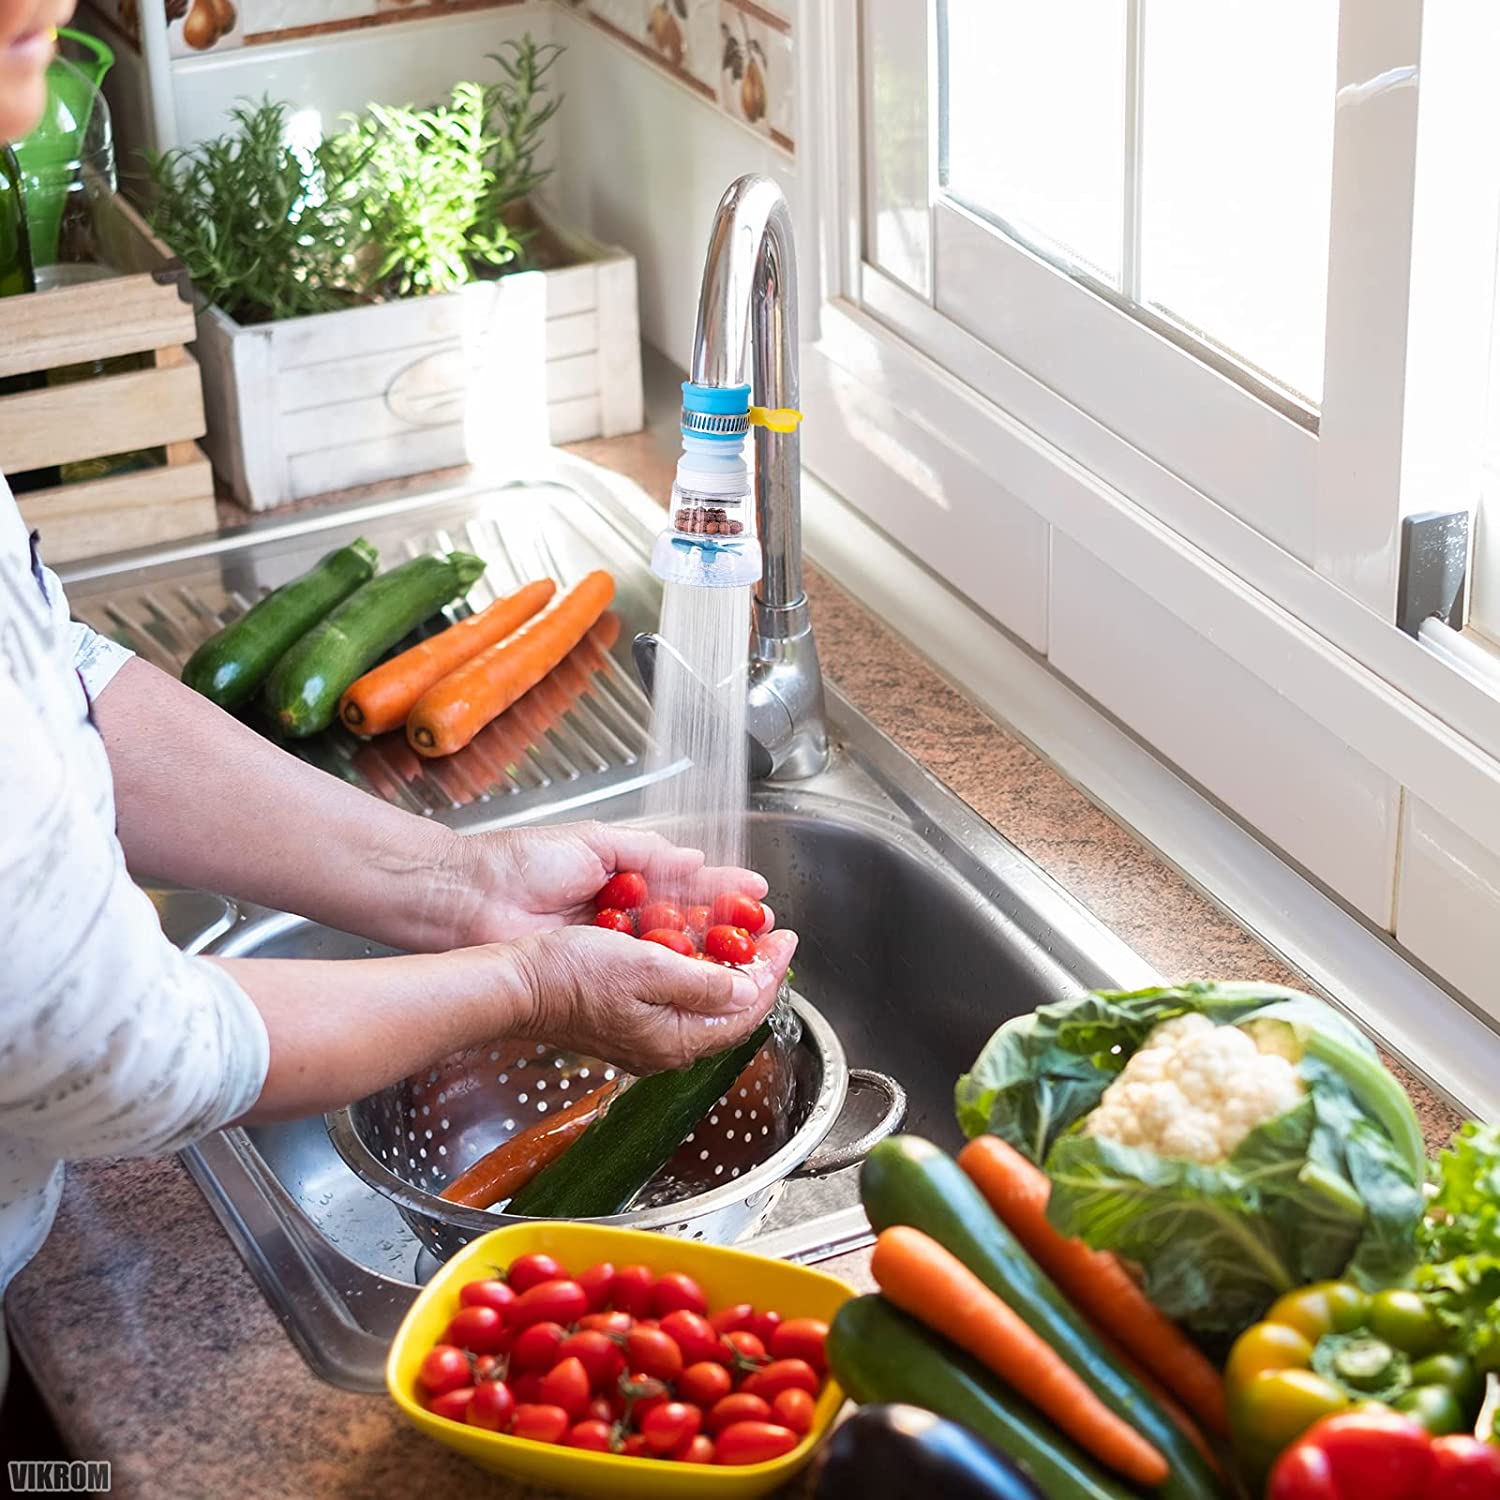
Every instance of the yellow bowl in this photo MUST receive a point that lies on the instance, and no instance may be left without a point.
(726, 1276)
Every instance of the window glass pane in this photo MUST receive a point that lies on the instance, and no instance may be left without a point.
(1036, 121)
(1237, 160)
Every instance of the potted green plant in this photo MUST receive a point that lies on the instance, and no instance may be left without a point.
(390, 300)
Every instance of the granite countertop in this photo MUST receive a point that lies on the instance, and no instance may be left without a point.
(156, 1351)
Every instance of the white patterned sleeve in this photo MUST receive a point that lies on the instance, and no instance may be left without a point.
(96, 658)
(111, 1041)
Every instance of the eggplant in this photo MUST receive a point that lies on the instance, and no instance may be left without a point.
(893, 1452)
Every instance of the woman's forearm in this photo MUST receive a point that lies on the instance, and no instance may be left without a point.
(339, 1031)
(204, 801)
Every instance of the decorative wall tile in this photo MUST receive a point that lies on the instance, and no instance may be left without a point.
(198, 26)
(756, 75)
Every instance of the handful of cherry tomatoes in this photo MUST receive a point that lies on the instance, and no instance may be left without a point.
(625, 1361)
(724, 932)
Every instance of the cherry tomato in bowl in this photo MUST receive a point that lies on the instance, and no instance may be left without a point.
(540, 1422)
(491, 1292)
(753, 1443)
(801, 1338)
(527, 1271)
(632, 1290)
(445, 1368)
(491, 1406)
(670, 1425)
(729, 945)
(597, 1282)
(481, 1329)
(674, 1292)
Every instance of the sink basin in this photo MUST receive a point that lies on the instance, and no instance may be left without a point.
(922, 929)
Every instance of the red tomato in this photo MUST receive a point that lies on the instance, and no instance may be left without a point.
(642, 1393)
(527, 1271)
(635, 1447)
(662, 914)
(632, 1290)
(733, 1318)
(592, 1435)
(491, 1293)
(551, 1302)
(599, 1354)
(452, 1404)
(694, 1335)
(794, 1408)
(739, 1407)
(484, 1363)
(704, 1383)
(526, 1386)
(615, 920)
(764, 1325)
(597, 1283)
(753, 1443)
(745, 1347)
(540, 1423)
(625, 891)
(801, 1338)
(729, 945)
(567, 1385)
(698, 919)
(536, 1347)
(783, 1375)
(674, 1291)
(491, 1406)
(601, 1409)
(653, 1352)
(607, 1322)
(669, 1425)
(735, 910)
(670, 937)
(699, 1451)
(445, 1367)
(481, 1329)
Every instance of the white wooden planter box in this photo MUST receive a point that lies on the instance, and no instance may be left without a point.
(307, 405)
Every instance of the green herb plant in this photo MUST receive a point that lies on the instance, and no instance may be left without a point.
(266, 230)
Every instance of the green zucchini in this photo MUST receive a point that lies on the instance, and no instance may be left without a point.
(229, 666)
(906, 1180)
(877, 1353)
(634, 1138)
(303, 690)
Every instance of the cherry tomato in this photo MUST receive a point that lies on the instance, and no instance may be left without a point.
(607, 1322)
(801, 1338)
(729, 945)
(635, 1447)
(632, 1290)
(567, 1385)
(669, 1425)
(625, 891)
(598, 1353)
(491, 1293)
(615, 920)
(698, 919)
(733, 909)
(551, 1302)
(597, 1283)
(794, 1408)
(744, 1347)
(670, 937)
(601, 1409)
(764, 1325)
(643, 1393)
(704, 1383)
(491, 1406)
(526, 1386)
(452, 1404)
(675, 1291)
(699, 1450)
(484, 1364)
(733, 1318)
(539, 1422)
(753, 1443)
(536, 1347)
(782, 1375)
(527, 1271)
(481, 1329)
(653, 1352)
(740, 1407)
(662, 914)
(593, 1435)
(445, 1367)
(694, 1335)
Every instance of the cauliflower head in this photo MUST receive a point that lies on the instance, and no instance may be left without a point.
(1194, 1090)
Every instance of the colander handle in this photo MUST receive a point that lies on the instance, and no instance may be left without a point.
(827, 1159)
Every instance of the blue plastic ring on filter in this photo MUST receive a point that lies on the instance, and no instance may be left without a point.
(720, 413)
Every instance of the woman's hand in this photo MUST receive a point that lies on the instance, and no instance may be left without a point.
(638, 1004)
(530, 880)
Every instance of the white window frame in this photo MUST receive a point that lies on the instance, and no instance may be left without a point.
(1401, 419)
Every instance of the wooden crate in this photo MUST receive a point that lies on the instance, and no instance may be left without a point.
(480, 376)
(145, 309)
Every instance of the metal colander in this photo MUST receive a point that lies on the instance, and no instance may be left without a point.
(411, 1139)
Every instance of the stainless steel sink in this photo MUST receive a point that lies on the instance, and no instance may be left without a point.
(921, 928)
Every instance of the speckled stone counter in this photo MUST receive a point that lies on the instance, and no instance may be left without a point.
(156, 1351)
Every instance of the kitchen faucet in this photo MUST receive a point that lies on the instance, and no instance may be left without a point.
(747, 331)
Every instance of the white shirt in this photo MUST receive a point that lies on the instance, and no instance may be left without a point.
(112, 1043)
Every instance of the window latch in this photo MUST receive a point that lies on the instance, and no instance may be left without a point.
(1434, 570)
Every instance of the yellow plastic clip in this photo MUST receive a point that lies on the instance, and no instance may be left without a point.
(778, 419)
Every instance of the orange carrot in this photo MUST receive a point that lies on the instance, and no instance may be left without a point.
(935, 1286)
(503, 1172)
(1094, 1280)
(451, 712)
(382, 698)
